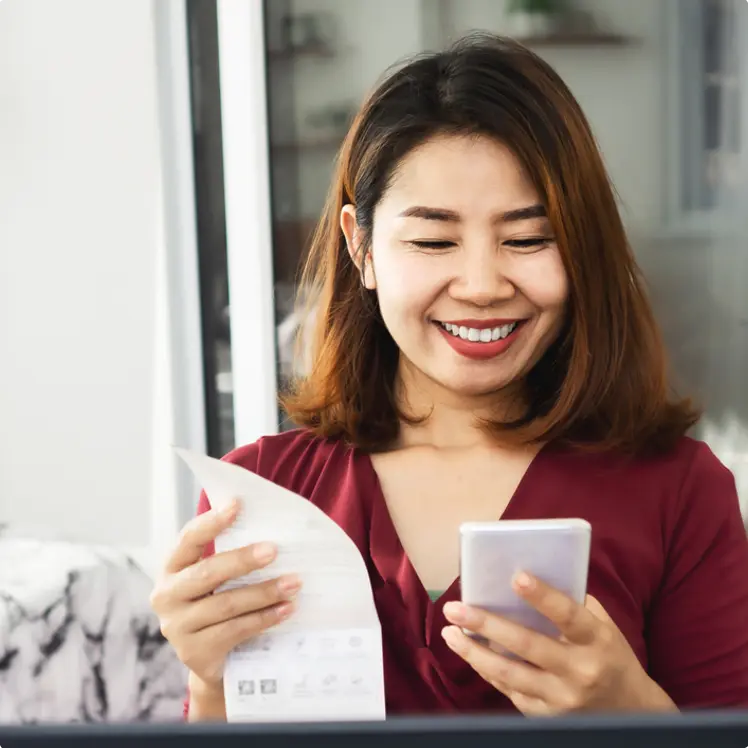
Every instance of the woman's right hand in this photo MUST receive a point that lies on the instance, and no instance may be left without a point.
(204, 627)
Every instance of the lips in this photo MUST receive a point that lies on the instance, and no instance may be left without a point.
(480, 339)
(480, 324)
(485, 334)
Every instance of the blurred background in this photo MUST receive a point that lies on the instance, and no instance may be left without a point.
(162, 163)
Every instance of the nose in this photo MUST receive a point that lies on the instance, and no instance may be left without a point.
(481, 280)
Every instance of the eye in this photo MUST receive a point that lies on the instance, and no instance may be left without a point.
(432, 244)
(533, 242)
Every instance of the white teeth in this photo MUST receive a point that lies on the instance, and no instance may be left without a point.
(482, 335)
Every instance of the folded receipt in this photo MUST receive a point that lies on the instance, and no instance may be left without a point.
(324, 663)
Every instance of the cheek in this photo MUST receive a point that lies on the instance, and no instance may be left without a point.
(406, 280)
(542, 279)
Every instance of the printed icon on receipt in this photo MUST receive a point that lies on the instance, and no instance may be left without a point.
(268, 686)
(246, 687)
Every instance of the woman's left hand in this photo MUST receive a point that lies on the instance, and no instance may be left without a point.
(590, 668)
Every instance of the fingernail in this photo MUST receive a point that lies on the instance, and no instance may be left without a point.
(289, 585)
(263, 552)
(284, 610)
(523, 581)
(455, 612)
(230, 509)
(452, 636)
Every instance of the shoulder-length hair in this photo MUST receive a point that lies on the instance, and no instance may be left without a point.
(604, 383)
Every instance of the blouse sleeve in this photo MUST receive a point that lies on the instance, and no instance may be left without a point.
(698, 623)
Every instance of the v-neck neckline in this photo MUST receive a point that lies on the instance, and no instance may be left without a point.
(388, 552)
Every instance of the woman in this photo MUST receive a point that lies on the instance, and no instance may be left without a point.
(485, 349)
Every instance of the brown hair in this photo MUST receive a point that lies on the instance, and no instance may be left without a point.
(604, 383)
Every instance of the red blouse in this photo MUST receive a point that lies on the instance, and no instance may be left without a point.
(669, 563)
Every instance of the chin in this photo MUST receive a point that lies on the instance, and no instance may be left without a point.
(472, 388)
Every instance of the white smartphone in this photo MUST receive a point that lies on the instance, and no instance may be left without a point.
(557, 551)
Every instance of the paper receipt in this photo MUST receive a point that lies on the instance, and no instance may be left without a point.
(325, 661)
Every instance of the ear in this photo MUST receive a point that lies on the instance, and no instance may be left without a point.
(353, 237)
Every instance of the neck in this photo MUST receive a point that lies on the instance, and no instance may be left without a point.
(451, 420)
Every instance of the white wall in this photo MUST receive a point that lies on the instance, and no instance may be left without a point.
(81, 236)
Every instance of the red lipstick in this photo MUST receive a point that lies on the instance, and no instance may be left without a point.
(475, 349)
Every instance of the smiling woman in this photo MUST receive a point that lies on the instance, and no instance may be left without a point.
(485, 350)
(455, 207)
(442, 273)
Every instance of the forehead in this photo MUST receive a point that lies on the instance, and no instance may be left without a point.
(468, 174)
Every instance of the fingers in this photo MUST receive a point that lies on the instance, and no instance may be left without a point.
(197, 533)
(504, 674)
(204, 653)
(538, 649)
(530, 706)
(231, 634)
(240, 601)
(573, 620)
(208, 574)
(203, 627)
(202, 578)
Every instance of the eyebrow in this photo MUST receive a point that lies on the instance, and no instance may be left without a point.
(451, 216)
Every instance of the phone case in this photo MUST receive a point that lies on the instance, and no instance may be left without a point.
(556, 551)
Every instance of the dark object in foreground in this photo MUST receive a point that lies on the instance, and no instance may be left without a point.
(694, 730)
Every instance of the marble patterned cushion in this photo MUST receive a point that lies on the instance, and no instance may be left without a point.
(78, 641)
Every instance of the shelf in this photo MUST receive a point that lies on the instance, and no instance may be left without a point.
(575, 40)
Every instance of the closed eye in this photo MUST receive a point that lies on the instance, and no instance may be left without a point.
(435, 244)
(534, 242)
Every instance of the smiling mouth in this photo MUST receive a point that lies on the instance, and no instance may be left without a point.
(479, 335)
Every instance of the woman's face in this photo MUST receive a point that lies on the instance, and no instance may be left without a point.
(470, 282)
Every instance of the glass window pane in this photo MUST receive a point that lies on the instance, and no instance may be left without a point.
(669, 117)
